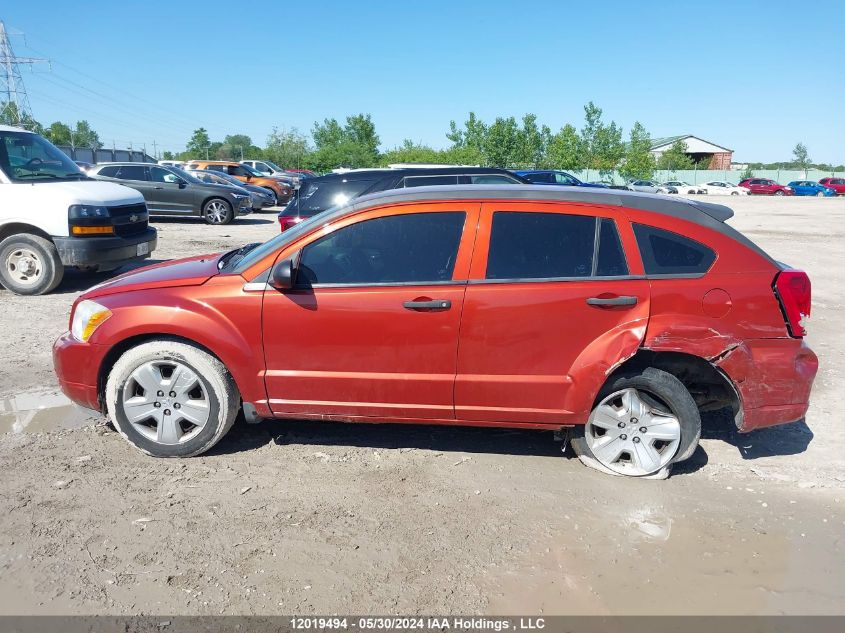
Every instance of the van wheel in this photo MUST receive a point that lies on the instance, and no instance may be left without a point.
(171, 399)
(217, 211)
(30, 264)
(642, 423)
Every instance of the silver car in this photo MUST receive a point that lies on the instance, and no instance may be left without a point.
(649, 186)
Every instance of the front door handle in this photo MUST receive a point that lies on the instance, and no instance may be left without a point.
(430, 306)
(604, 302)
(158, 187)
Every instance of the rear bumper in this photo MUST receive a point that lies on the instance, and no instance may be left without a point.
(773, 378)
(106, 253)
(77, 365)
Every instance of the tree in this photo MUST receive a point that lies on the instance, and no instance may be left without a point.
(802, 157)
(675, 157)
(84, 136)
(747, 173)
(199, 144)
(415, 153)
(601, 144)
(353, 145)
(167, 155)
(501, 142)
(237, 147)
(564, 150)
(468, 143)
(59, 134)
(9, 115)
(532, 141)
(639, 161)
(288, 148)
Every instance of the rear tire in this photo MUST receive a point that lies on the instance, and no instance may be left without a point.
(820, 194)
(171, 399)
(779, 192)
(642, 423)
(217, 211)
(30, 264)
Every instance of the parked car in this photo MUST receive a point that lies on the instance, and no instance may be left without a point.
(259, 197)
(811, 188)
(765, 187)
(683, 188)
(837, 184)
(172, 191)
(649, 186)
(318, 194)
(616, 321)
(52, 216)
(269, 168)
(723, 188)
(554, 177)
(282, 191)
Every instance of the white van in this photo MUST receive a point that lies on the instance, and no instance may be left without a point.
(52, 215)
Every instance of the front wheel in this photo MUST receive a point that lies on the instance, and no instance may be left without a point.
(642, 423)
(218, 211)
(171, 399)
(820, 194)
(30, 264)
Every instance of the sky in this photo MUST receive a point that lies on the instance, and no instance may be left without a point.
(754, 76)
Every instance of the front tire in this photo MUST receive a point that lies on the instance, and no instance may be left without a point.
(642, 423)
(218, 211)
(820, 194)
(30, 264)
(171, 399)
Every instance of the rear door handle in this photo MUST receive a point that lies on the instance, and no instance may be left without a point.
(434, 305)
(612, 301)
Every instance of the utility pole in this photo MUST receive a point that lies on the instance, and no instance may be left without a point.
(12, 90)
(155, 151)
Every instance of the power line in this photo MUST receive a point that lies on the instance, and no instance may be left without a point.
(11, 82)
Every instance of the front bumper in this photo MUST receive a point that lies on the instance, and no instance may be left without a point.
(106, 253)
(773, 378)
(77, 365)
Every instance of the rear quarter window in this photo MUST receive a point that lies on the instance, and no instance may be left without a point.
(667, 253)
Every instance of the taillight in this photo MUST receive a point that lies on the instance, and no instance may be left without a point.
(287, 222)
(792, 288)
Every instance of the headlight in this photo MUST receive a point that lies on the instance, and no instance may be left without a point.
(87, 211)
(87, 317)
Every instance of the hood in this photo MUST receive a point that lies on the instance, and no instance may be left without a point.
(192, 271)
(68, 192)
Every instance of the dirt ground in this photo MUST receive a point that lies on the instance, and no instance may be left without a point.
(300, 517)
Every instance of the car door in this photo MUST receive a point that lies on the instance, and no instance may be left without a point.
(171, 194)
(546, 316)
(371, 327)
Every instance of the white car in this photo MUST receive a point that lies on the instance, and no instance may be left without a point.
(52, 215)
(722, 188)
(684, 188)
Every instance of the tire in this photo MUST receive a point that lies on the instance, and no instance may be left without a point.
(30, 264)
(184, 425)
(734, 193)
(820, 194)
(779, 192)
(669, 415)
(217, 211)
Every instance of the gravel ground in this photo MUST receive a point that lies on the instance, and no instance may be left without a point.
(329, 518)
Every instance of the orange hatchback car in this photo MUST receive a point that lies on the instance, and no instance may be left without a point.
(616, 316)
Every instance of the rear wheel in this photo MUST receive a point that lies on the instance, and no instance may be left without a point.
(820, 194)
(171, 399)
(642, 424)
(779, 192)
(218, 211)
(30, 264)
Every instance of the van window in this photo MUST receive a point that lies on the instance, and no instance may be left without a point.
(667, 253)
(412, 248)
(526, 245)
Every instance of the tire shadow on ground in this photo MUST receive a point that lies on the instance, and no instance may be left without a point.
(784, 439)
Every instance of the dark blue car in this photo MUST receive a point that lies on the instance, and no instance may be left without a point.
(810, 188)
(554, 177)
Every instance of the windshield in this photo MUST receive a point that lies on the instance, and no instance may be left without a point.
(273, 166)
(251, 171)
(27, 157)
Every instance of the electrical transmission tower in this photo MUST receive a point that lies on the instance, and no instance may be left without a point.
(15, 104)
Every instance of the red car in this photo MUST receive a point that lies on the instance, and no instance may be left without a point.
(617, 317)
(837, 184)
(765, 187)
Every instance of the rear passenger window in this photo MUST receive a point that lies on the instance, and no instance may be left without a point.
(540, 245)
(667, 253)
(425, 181)
(611, 258)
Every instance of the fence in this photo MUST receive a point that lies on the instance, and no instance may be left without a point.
(699, 176)
(103, 155)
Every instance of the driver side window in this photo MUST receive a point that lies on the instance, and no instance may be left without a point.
(411, 248)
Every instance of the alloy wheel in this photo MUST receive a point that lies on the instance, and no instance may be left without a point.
(165, 401)
(632, 433)
(216, 211)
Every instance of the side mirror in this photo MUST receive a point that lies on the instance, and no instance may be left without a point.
(282, 275)
(182, 183)
(248, 177)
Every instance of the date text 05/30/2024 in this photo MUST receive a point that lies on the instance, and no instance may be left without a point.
(398, 623)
